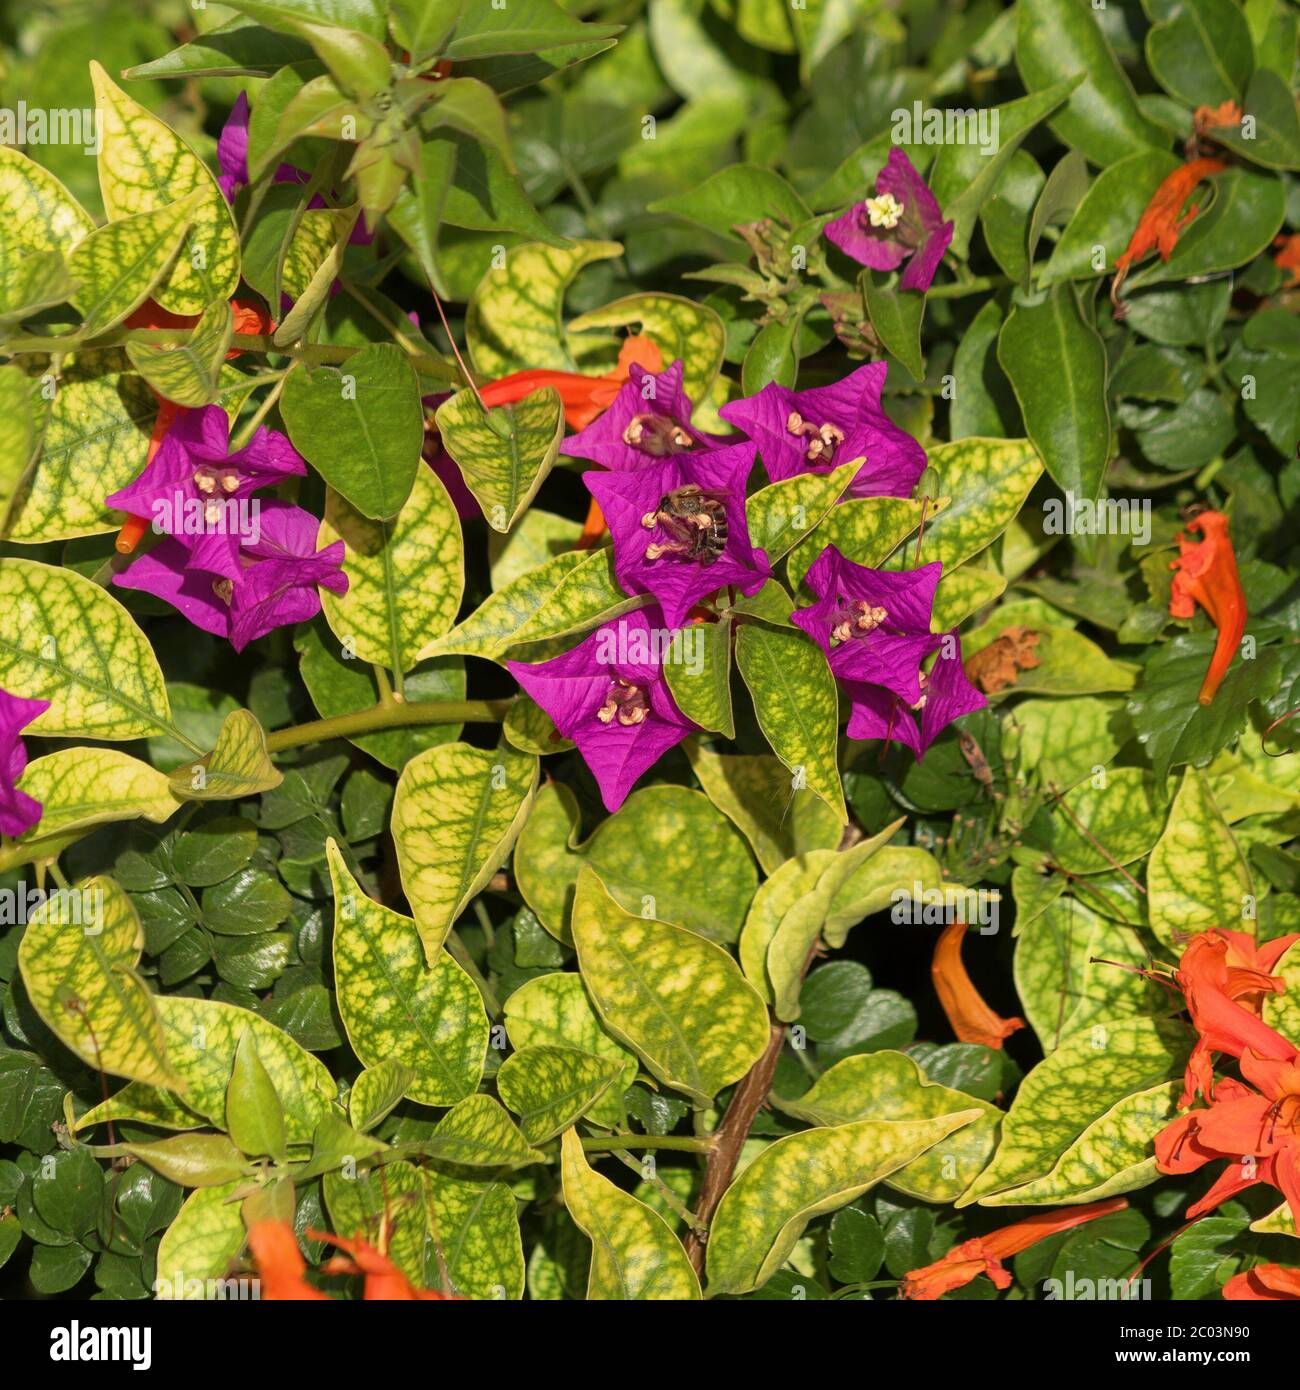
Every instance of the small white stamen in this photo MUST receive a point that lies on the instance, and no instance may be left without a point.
(884, 211)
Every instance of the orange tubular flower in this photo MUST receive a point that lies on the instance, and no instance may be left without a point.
(383, 1279)
(1256, 1130)
(984, 1254)
(1206, 573)
(1264, 1283)
(1288, 259)
(1224, 977)
(971, 1018)
(281, 1268)
(1161, 224)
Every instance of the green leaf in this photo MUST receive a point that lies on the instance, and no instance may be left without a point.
(476, 1226)
(896, 316)
(455, 818)
(702, 686)
(1056, 364)
(192, 1160)
(405, 576)
(117, 265)
(797, 705)
(238, 766)
(551, 1088)
(571, 592)
(527, 27)
(783, 513)
(79, 959)
(514, 319)
(202, 1243)
(368, 1202)
(1005, 218)
(1124, 815)
(1282, 1011)
(1083, 1119)
(765, 1210)
(188, 374)
(890, 1086)
(422, 26)
(143, 167)
(64, 639)
(506, 453)
(1197, 877)
(634, 1254)
(238, 48)
(966, 174)
(394, 1008)
(253, 1112)
(555, 1010)
(708, 891)
(679, 1000)
(1201, 52)
(680, 328)
(1106, 217)
(1276, 134)
(740, 193)
(360, 425)
(1059, 39)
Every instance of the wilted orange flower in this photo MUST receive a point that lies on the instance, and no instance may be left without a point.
(1206, 573)
(281, 1268)
(1264, 1282)
(1227, 113)
(1161, 224)
(383, 1279)
(971, 1018)
(984, 1254)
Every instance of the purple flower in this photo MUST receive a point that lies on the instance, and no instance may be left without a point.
(816, 431)
(679, 527)
(650, 419)
(609, 696)
(275, 581)
(873, 625)
(902, 220)
(194, 488)
(946, 695)
(18, 811)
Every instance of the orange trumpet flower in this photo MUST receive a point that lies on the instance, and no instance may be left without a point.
(985, 1254)
(1264, 1283)
(383, 1279)
(971, 1018)
(1162, 223)
(1206, 573)
(281, 1268)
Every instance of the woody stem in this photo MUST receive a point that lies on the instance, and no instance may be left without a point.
(393, 715)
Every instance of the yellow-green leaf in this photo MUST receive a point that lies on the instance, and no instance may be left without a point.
(504, 454)
(477, 1133)
(78, 959)
(634, 1255)
(475, 1225)
(764, 1212)
(253, 1111)
(376, 1091)
(1197, 876)
(555, 1010)
(188, 373)
(455, 818)
(201, 1244)
(783, 513)
(365, 1203)
(890, 1086)
(405, 576)
(144, 166)
(66, 640)
(677, 999)
(863, 529)
(118, 264)
(394, 1009)
(36, 212)
(551, 1087)
(797, 704)
(238, 766)
(679, 327)
(514, 319)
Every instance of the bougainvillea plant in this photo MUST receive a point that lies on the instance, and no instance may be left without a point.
(647, 650)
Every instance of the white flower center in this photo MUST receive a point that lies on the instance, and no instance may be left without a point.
(884, 211)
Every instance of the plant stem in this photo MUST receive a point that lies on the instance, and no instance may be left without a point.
(265, 406)
(959, 289)
(681, 1143)
(394, 715)
(456, 949)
